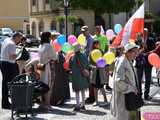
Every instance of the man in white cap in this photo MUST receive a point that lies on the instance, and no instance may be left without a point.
(89, 39)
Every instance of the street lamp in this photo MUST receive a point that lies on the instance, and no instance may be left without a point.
(66, 14)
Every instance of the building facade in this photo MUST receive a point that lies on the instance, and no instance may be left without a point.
(43, 15)
(15, 14)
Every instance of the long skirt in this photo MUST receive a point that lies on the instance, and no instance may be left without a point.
(60, 91)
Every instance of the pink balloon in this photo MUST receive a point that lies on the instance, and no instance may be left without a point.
(110, 34)
(154, 60)
(72, 39)
(56, 46)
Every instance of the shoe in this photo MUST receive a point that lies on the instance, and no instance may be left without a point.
(76, 108)
(90, 100)
(6, 107)
(83, 108)
(95, 104)
(147, 98)
(108, 88)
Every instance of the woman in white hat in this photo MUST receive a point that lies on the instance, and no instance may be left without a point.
(124, 81)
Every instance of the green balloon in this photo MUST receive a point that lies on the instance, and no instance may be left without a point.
(66, 47)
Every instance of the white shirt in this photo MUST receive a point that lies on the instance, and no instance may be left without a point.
(8, 48)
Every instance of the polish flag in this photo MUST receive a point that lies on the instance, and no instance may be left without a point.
(134, 25)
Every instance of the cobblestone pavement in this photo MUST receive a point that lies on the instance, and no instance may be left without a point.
(65, 112)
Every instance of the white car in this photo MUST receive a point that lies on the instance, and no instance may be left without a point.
(6, 31)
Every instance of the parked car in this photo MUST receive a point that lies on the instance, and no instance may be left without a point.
(31, 41)
(6, 31)
(2, 38)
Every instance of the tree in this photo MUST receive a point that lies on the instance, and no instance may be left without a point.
(100, 7)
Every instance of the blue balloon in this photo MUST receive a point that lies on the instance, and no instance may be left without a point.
(61, 39)
(117, 28)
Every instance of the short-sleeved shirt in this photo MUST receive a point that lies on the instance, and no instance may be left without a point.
(8, 48)
(103, 42)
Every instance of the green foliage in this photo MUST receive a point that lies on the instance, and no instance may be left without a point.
(156, 25)
(102, 6)
(72, 19)
(150, 15)
(60, 18)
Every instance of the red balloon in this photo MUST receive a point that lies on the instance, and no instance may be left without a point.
(56, 46)
(154, 60)
(66, 65)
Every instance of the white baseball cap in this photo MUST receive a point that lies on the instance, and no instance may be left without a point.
(130, 46)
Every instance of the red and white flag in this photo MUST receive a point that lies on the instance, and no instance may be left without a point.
(134, 25)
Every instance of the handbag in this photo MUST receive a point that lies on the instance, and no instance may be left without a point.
(133, 101)
(85, 72)
(22, 54)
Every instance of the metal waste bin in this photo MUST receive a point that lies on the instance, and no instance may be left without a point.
(21, 97)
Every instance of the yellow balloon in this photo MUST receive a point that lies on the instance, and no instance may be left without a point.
(96, 54)
(109, 57)
(82, 40)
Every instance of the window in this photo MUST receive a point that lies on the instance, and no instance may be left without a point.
(33, 2)
(33, 28)
(41, 27)
(47, 1)
(53, 25)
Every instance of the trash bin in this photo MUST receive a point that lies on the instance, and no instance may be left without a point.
(21, 97)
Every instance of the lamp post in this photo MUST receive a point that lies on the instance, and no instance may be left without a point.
(66, 14)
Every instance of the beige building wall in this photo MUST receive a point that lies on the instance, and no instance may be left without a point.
(13, 13)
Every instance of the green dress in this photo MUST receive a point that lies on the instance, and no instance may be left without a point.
(79, 82)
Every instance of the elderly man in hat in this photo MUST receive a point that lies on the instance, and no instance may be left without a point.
(89, 39)
(125, 81)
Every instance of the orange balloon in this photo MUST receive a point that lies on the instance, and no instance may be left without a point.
(69, 55)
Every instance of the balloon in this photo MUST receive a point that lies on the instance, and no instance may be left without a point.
(110, 34)
(69, 55)
(101, 63)
(109, 57)
(66, 65)
(72, 39)
(154, 60)
(82, 40)
(117, 28)
(96, 54)
(66, 47)
(61, 39)
(56, 46)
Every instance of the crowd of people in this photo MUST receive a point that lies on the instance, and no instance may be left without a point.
(128, 68)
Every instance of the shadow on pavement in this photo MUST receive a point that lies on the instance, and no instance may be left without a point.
(154, 101)
(66, 105)
(30, 118)
(93, 112)
(54, 111)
